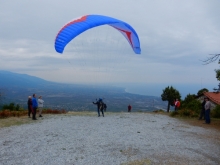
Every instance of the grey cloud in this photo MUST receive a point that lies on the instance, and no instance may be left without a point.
(174, 36)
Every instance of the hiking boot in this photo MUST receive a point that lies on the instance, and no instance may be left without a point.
(40, 116)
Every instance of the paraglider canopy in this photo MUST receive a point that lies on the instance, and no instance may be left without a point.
(77, 26)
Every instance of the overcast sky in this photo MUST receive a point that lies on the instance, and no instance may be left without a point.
(174, 35)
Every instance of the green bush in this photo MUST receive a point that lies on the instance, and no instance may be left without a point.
(215, 113)
(184, 113)
(11, 107)
(193, 105)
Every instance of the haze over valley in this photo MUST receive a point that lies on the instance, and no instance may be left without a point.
(72, 97)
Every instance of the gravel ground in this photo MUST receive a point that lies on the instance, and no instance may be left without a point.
(118, 138)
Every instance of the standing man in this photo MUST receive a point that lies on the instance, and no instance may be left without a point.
(34, 105)
(129, 108)
(105, 107)
(177, 104)
(29, 103)
(98, 106)
(202, 112)
(207, 110)
(40, 105)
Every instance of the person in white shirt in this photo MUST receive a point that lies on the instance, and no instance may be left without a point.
(207, 111)
(40, 105)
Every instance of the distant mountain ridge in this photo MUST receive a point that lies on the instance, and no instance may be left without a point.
(17, 87)
(15, 79)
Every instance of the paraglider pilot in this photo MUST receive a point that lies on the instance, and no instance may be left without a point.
(99, 107)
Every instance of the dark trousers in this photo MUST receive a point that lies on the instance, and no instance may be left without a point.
(29, 111)
(102, 112)
(202, 114)
(207, 116)
(98, 111)
(34, 113)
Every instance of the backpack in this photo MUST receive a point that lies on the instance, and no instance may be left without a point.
(101, 106)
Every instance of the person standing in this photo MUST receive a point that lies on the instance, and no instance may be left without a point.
(98, 106)
(207, 110)
(129, 108)
(101, 107)
(29, 103)
(34, 105)
(177, 104)
(105, 107)
(40, 105)
(202, 112)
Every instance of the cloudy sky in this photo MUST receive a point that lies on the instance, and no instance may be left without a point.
(175, 37)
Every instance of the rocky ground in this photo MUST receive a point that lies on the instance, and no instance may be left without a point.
(117, 138)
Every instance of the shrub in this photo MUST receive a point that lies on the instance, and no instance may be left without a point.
(51, 111)
(11, 107)
(5, 114)
(174, 113)
(216, 112)
(193, 105)
(17, 108)
(184, 113)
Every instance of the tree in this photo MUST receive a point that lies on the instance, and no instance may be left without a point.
(170, 94)
(217, 74)
(201, 91)
(211, 59)
(189, 98)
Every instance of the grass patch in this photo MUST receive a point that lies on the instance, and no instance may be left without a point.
(215, 123)
(159, 111)
(138, 162)
(15, 113)
(11, 121)
(86, 113)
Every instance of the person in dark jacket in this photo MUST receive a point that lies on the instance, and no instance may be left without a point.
(105, 107)
(207, 110)
(34, 105)
(29, 103)
(99, 107)
(202, 112)
(129, 108)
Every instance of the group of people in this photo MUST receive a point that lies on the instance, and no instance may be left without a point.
(205, 111)
(33, 105)
(101, 106)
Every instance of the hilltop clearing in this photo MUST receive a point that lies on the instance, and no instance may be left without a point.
(117, 138)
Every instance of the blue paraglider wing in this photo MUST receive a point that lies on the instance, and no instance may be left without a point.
(78, 26)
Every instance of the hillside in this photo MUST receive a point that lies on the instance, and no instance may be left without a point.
(17, 87)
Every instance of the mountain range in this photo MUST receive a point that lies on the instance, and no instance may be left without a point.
(72, 97)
